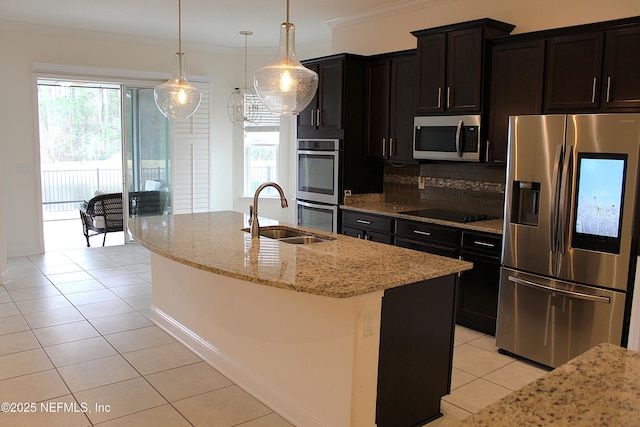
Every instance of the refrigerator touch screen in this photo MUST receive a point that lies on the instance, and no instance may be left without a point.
(599, 195)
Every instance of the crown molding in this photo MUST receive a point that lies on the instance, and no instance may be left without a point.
(398, 7)
(104, 36)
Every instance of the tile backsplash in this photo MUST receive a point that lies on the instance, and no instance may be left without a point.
(469, 187)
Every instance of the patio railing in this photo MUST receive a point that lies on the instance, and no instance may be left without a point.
(65, 190)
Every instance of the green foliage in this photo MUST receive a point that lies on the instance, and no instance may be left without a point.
(79, 123)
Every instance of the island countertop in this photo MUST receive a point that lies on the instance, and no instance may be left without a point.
(342, 267)
(598, 388)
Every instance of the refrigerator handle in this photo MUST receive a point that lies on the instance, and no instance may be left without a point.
(579, 295)
(553, 207)
(565, 195)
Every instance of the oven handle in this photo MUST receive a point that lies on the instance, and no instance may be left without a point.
(328, 152)
(333, 208)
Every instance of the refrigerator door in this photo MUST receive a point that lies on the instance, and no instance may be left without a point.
(551, 321)
(596, 222)
(536, 146)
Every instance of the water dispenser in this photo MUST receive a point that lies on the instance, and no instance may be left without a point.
(525, 207)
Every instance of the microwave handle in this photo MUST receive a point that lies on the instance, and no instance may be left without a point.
(458, 133)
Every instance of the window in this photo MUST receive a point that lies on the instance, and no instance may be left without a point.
(261, 141)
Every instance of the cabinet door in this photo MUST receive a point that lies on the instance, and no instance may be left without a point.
(404, 105)
(307, 117)
(432, 53)
(464, 70)
(378, 108)
(477, 299)
(574, 67)
(517, 77)
(330, 95)
(621, 87)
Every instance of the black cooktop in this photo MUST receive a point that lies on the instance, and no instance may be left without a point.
(447, 215)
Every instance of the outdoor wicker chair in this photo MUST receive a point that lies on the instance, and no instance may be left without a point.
(102, 215)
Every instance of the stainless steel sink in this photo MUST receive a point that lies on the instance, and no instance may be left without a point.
(289, 235)
(302, 240)
(280, 233)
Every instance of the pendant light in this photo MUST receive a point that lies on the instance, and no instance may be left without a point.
(243, 106)
(285, 86)
(177, 98)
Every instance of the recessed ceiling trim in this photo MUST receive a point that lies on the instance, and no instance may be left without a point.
(386, 10)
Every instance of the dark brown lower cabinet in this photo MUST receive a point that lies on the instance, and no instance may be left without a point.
(416, 350)
(477, 294)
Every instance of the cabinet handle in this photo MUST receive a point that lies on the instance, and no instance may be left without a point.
(318, 117)
(313, 117)
(424, 233)
(362, 221)
(479, 243)
(439, 97)
(593, 90)
(384, 147)
(366, 237)
(448, 96)
(608, 88)
(392, 151)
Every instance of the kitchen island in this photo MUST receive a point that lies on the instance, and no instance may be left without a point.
(341, 332)
(601, 387)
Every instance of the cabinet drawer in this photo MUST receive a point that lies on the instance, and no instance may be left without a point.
(485, 243)
(424, 232)
(367, 221)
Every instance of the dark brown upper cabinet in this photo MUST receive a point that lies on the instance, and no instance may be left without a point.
(452, 65)
(574, 70)
(325, 109)
(517, 76)
(338, 108)
(391, 105)
(621, 74)
(594, 71)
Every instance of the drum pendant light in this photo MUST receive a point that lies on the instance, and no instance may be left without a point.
(285, 86)
(177, 98)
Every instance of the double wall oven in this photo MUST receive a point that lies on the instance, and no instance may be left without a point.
(318, 183)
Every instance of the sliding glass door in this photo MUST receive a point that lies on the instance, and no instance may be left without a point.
(147, 161)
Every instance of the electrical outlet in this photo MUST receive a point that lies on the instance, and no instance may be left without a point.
(369, 324)
(421, 182)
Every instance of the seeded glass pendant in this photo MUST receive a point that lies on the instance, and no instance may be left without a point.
(177, 98)
(285, 86)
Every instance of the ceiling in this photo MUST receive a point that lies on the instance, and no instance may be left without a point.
(205, 23)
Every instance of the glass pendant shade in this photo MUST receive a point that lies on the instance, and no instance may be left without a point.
(285, 86)
(177, 98)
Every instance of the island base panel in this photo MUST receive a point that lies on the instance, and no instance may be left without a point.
(416, 350)
(312, 359)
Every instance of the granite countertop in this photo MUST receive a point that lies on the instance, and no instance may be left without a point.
(342, 267)
(598, 388)
(488, 226)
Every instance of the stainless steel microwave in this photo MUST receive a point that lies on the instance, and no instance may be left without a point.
(448, 138)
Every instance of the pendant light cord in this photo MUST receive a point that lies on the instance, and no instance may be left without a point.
(180, 36)
(287, 25)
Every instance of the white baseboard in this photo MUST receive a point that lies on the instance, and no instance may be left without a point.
(273, 398)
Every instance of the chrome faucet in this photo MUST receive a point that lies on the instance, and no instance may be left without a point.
(253, 209)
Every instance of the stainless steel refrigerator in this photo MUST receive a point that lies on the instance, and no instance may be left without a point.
(569, 234)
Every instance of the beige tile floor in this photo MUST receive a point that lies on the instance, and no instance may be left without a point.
(76, 340)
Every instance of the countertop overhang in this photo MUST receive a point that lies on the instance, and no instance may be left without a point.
(340, 268)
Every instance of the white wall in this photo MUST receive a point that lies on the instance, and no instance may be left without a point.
(392, 32)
